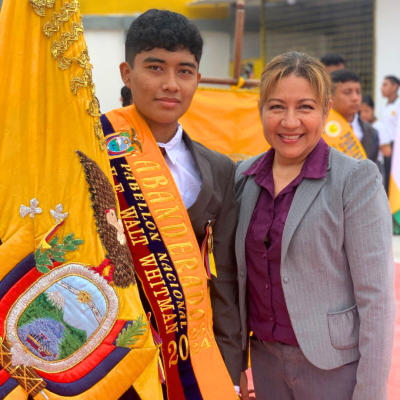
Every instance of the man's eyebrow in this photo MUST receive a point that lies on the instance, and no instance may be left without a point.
(154, 59)
(188, 64)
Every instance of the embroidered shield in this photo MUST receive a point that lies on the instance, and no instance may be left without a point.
(71, 310)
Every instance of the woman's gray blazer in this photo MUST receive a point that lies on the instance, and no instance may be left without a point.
(337, 268)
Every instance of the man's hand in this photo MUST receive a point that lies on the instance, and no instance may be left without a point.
(244, 389)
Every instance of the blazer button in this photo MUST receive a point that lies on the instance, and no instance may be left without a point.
(285, 280)
(242, 274)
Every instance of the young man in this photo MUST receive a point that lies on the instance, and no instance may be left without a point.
(389, 116)
(163, 52)
(347, 98)
(333, 62)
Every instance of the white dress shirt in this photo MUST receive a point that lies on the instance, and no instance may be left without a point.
(356, 126)
(183, 168)
(389, 116)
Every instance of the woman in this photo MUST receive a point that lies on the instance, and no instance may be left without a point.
(314, 251)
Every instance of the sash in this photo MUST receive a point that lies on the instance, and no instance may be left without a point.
(340, 135)
(167, 259)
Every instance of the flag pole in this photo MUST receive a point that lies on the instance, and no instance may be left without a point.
(239, 32)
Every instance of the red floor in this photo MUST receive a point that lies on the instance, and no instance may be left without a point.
(394, 379)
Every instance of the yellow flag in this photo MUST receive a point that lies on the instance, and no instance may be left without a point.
(227, 121)
(70, 313)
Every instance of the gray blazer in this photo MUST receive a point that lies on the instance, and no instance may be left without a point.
(337, 268)
(216, 201)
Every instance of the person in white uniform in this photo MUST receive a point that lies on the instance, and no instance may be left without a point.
(389, 116)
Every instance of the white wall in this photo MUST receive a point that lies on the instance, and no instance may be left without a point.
(216, 54)
(107, 51)
(387, 54)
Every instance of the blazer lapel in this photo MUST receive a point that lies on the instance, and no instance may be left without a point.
(305, 195)
(250, 196)
(306, 192)
(206, 191)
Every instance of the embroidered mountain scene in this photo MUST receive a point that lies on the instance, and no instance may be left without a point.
(62, 319)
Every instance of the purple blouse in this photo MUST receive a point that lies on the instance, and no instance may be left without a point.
(268, 315)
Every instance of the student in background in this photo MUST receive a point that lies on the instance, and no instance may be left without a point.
(346, 97)
(367, 114)
(389, 116)
(333, 62)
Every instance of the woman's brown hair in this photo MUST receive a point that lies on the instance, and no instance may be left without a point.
(300, 65)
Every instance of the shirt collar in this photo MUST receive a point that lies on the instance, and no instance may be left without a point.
(314, 167)
(355, 121)
(173, 147)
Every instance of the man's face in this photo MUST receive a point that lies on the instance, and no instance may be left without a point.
(162, 83)
(347, 99)
(388, 88)
(332, 68)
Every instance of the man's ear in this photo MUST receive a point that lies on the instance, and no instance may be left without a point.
(198, 78)
(125, 70)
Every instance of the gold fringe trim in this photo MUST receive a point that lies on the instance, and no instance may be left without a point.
(58, 19)
(61, 46)
(58, 48)
(40, 6)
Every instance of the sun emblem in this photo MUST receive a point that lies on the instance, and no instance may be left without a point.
(84, 297)
(333, 129)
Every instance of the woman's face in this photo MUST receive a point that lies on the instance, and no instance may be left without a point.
(293, 119)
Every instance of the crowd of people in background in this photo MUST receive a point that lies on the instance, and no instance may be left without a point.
(377, 135)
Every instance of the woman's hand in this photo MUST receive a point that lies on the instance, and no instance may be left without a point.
(244, 388)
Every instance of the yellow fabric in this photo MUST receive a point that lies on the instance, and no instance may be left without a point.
(394, 195)
(227, 121)
(16, 248)
(42, 124)
(215, 11)
(142, 387)
(340, 135)
(19, 394)
(213, 268)
(151, 172)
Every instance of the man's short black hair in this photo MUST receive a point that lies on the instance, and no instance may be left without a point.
(344, 75)
(332, 59)
(394, 80)
(367, 99)
(165, 30)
